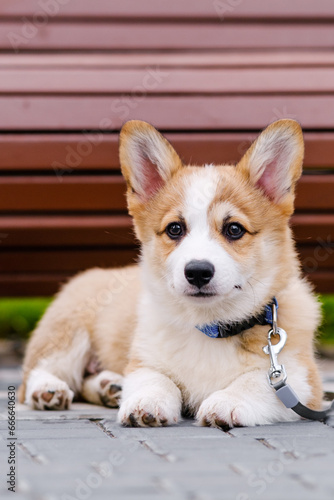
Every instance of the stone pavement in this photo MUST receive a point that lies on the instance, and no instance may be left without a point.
(84, 454)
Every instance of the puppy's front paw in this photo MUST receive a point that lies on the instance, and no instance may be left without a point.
(148, 412)
(52, 397)
(224, 412)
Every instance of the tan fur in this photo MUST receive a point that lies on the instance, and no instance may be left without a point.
(111, 319)
(93, 297)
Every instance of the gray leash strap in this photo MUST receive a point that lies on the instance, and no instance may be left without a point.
(277, 376)
(289, 398)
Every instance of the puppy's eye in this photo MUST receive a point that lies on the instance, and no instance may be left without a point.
(174, 230)
(234, 231)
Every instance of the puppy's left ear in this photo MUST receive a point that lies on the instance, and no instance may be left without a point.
(274, 161)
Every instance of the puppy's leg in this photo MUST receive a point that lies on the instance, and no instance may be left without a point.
(250, 401)
(149, 399)
(103, 388)
(47, 392)
(57, 377)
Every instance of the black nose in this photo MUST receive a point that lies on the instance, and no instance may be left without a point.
(199, 272)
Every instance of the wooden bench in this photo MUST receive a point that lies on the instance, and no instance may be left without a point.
(208, 74)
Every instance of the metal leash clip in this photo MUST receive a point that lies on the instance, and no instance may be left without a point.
(276, 375)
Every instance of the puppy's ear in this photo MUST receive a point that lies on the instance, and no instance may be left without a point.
(147, 159)
(274, 161)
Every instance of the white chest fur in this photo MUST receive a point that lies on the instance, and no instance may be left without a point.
(198, 364)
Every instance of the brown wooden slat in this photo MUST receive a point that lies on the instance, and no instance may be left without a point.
(313, 228)
(100, 151)
(72, 193)
(316, 258)
(180, 59)
(34, 284)
(319, 150)
(315, 192)
(247, 9)
(167, 81)
(54, 152)
(169, 113)
(323, 281)
(31, 285)
(166, 36)
(107, 193)
(64, 260)
(58, 231)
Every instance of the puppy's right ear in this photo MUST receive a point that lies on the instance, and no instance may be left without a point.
(147, 159)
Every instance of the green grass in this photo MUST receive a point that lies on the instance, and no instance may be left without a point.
(18, 317)
(327, 327)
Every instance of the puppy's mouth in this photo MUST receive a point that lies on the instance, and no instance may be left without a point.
(201, 294)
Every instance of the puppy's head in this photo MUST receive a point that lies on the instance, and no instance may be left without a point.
(214, 238)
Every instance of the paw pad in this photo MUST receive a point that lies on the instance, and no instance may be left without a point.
(110, 393)
(47, 396)
(142, 418)
(52, 399)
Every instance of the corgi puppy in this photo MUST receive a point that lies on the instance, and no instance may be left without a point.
(216, 248)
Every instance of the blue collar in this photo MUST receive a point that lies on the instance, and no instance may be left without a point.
(220, 330)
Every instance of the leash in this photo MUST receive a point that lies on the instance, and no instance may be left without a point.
(277, 375)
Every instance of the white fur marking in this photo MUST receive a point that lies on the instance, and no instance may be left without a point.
(249, 400)
(150, 399)
(198, 244)
(62, 371)
(40, 382)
